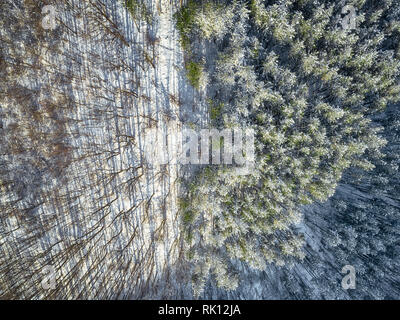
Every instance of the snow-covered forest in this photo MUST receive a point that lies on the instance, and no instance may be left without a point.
(84, 88)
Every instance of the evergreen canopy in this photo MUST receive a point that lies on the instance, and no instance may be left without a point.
(308, 87)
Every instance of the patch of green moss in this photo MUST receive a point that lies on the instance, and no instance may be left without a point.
(188, 217)
(215, 109)
(185, 22)
(138, 9)
(194, 71)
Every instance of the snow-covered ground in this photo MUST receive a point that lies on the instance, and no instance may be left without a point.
(110, 220)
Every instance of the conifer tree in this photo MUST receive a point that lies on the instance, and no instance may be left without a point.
(308, 86)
